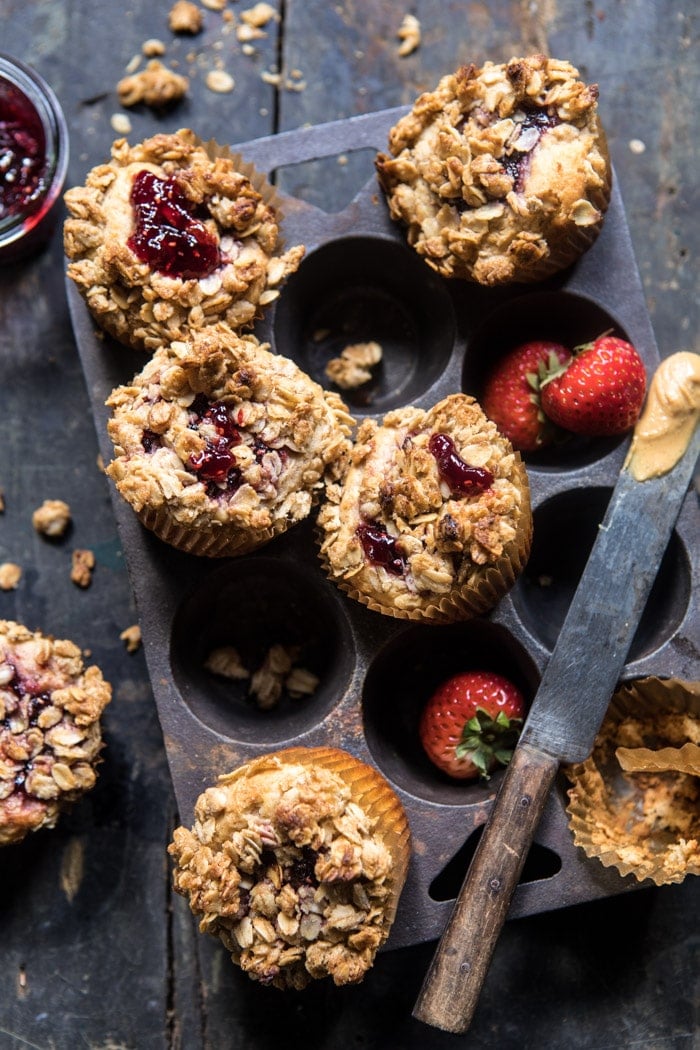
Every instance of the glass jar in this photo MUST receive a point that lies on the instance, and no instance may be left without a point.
(33, 159)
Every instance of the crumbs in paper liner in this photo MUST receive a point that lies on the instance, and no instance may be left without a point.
(635, 802)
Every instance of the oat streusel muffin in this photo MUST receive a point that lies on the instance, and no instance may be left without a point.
(502, 173)
(50, 739)
(296, 861)
(635, 802)
(221, 445)
(432, 519)
(168, 237)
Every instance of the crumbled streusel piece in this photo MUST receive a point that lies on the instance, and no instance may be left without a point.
(300, 682)
(226, 661)
(409, 35)
(83, 562)
(259, 15)
(153, 47)
(131, 637)
(267, 682)
(352, 368)
(10, 575)
(219, 81)
(52, 518)
(155, 86)
(185, 17)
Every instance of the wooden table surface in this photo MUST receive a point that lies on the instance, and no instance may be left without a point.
(94, 949)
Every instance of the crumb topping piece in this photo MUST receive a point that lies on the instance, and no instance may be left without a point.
(50, 739)
(10, 575)
(185, 17)
(289, 872)
(52, 518)
(354, 366)
(156, 86)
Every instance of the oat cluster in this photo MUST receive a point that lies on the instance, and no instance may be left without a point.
(286, 865)
(286, 434)
(141, 307)
(501, 174)
(461, 552)
(50, 739)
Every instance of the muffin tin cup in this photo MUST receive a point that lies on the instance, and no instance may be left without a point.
(360, 280)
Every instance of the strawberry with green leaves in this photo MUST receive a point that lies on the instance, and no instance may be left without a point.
(471, 724)
(599, 392)
(511, 394)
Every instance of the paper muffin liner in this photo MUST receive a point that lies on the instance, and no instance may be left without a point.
(370, 791)
(478, 595)
(645, 824)
(223, 542)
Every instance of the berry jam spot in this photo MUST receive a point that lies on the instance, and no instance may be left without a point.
(22, 153)
(380, 548)
(214, 462)
(462, 479)
(301, 870)
(517, 163)
(169, 236)
(151, 441)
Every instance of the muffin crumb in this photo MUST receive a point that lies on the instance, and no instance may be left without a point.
(156, 86)
(10, 575)
(226, 661)
(131, 637)
(52, 518)
(409, 34)
(83, 562)
(185, 17)
(353, 367)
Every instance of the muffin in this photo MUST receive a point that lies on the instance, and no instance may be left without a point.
(296, 861)
(502, 173)
(220, 445)
(432, 519)
(635, 802)
(171, 235)
(50, 739)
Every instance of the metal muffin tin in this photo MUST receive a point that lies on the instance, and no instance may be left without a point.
(360, 280)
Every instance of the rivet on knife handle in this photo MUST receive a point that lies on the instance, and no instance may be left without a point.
(453, 983)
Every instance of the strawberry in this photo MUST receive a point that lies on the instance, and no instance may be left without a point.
(511, 395)
(600, 392)
(471, 724)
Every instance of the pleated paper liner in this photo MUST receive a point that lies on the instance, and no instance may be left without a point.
(369, 790)
(224, 541)
(634, 804)
(477, 595)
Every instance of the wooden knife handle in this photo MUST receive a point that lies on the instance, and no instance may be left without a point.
(452, 985)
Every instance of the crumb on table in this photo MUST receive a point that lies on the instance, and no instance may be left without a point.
(409, 35)
(352, 368)
(155, 86)
(185, 17)
(10, 575)
(226, 661)
(131, 637)
(83, 562)
(52, 518)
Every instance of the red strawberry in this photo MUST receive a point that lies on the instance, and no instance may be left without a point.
(471, 724)
(511, 395)
(601, 392)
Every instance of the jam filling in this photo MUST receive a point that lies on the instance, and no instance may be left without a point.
(462, 479)
(22, 153)
(169, 233)
(380, 548)
(517, 163)
(215, 465)
(34, 703)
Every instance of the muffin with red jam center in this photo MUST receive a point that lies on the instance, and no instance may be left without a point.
(221, 445)
(50, 738)
(502, 173)
(296, 860)
(432, 518)
(168, 237)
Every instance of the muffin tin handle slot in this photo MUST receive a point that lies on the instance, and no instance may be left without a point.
(365, 131)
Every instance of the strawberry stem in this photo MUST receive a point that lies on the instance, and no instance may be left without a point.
(488, 741)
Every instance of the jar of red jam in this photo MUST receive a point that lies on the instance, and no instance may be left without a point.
(33, 159)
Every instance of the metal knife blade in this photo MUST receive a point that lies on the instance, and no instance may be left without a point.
(564, 718)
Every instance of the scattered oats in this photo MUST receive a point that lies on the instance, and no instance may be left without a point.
(100, 463)
(185, 17)
(83, 562)
(10, 575)
(214, 5)
(409, 35)
(246, 33)
(359, 54)
(264, 111)
(321, 334)
(226, 661)
(133, 64)
(342, 160)
(637, 146)
(300, 682)
(248, 49)
(352, 368)
(259, 15)
(267, 682)
(120, 123)
(155, 86)
(295, 85)
(270, 78)
(52, 517)
(131, 638)
(229, 17)
(296, 74)
(545, 581)
(220, 81)
(153, 47)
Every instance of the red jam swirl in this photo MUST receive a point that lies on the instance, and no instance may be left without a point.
(380, 548)
(462, 479)
(168, 234)
(22, 153)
